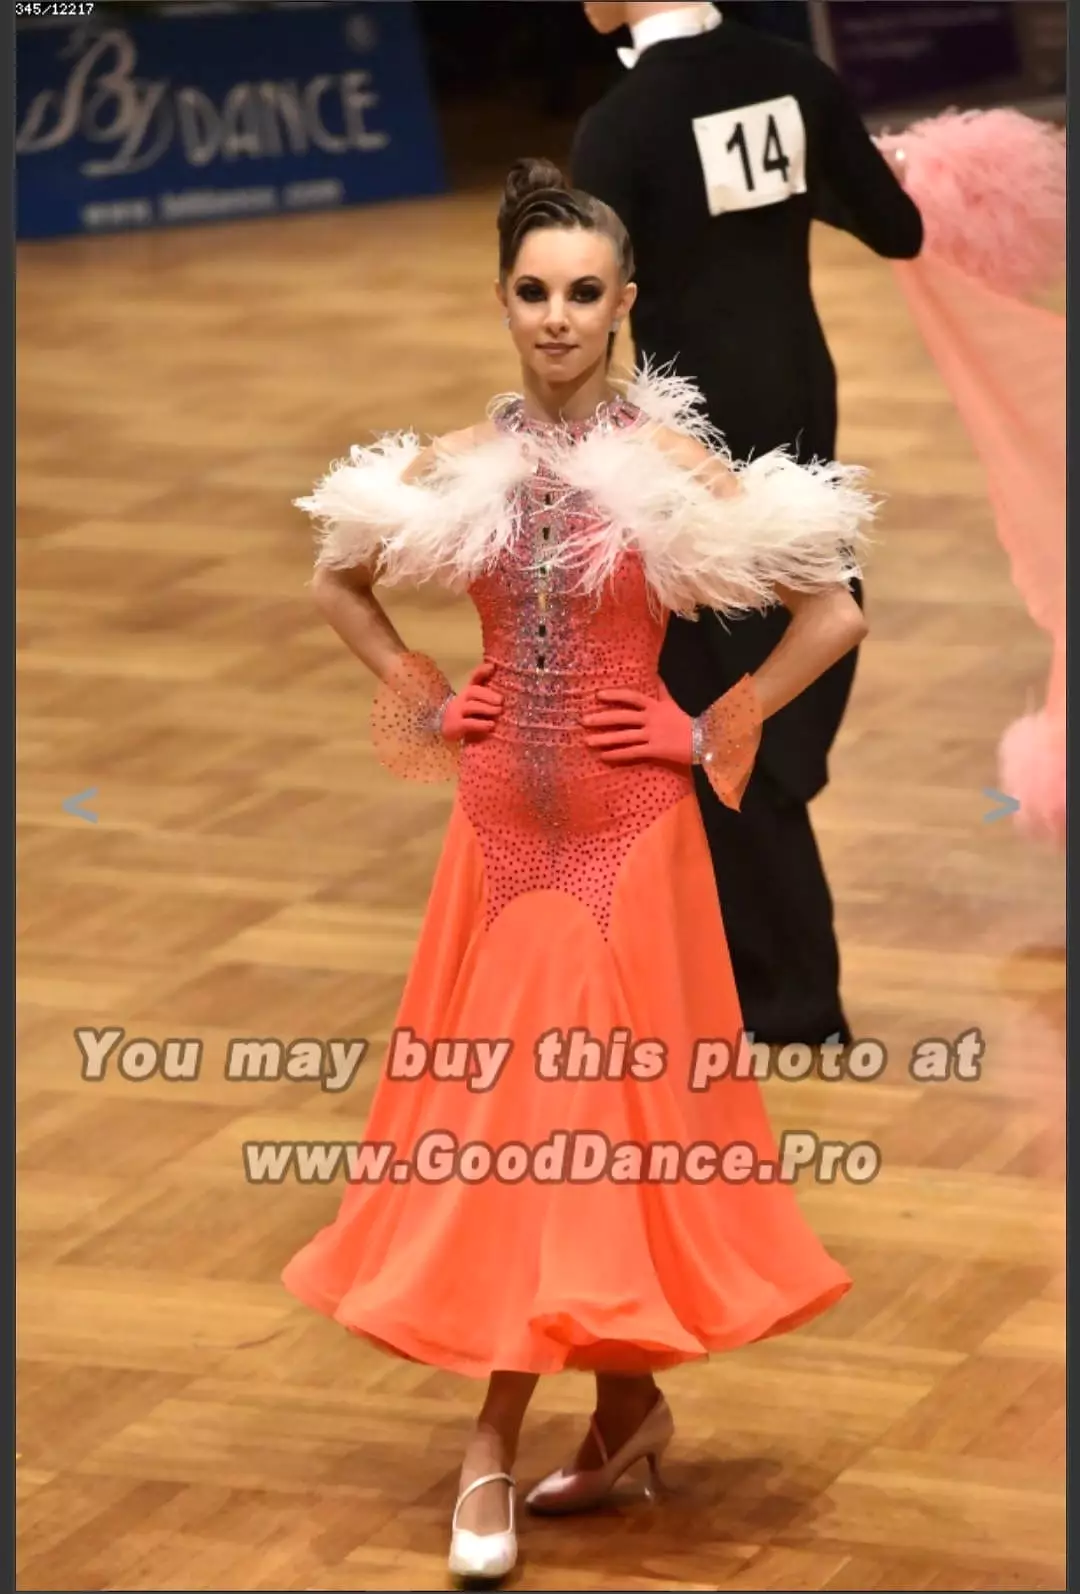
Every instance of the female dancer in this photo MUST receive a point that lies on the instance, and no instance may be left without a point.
(574, 1182)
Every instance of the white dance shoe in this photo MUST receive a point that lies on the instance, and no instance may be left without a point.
(567, 1490)
(483, 1557)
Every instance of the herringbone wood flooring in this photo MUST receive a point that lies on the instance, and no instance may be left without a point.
(182, 1423)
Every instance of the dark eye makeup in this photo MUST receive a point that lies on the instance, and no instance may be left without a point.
(586, 290)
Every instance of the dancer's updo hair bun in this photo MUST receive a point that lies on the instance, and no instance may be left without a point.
(527, 178)
(537, 195)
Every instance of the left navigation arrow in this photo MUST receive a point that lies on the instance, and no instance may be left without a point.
(73, 805)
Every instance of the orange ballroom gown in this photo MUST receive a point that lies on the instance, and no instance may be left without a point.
(560, 1190)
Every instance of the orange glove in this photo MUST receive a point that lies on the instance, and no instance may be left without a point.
(418, 722)
(724, 740)
(474, 710)
(638, 727)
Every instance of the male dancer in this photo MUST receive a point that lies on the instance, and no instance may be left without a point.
(717, 149)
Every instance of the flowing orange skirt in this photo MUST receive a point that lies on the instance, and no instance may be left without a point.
(539, 1274)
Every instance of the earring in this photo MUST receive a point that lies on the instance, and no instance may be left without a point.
(506, 320)
(615, 325)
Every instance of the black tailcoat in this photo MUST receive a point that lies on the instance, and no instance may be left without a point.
(718, 151)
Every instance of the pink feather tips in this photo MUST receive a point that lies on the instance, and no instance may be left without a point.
(1031, 768)
(991, 189)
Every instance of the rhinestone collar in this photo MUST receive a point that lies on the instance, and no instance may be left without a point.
(618, 412)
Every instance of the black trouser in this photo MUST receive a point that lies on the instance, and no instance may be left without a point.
(774, 897)
(778, 914)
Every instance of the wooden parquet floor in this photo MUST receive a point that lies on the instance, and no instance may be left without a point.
(183, 1424)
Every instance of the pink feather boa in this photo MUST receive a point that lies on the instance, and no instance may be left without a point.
(1031, 764)
(991, 189)
(990, 186)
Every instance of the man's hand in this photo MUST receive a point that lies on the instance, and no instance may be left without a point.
(893, 150)
(637, 728)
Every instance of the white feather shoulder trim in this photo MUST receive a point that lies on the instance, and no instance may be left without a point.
(720, 536)
(672, 401)
(449, 526)
(709, 533)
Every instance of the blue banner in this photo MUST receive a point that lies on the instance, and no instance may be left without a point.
(197, 115)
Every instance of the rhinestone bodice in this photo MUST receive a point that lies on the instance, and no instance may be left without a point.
(550, 814)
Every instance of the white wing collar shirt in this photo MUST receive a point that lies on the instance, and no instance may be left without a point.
(683, 24)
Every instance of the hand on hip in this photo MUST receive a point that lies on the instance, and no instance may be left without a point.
(472, 711)
(633, 728)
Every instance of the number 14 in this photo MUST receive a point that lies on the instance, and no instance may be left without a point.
(773, 158)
